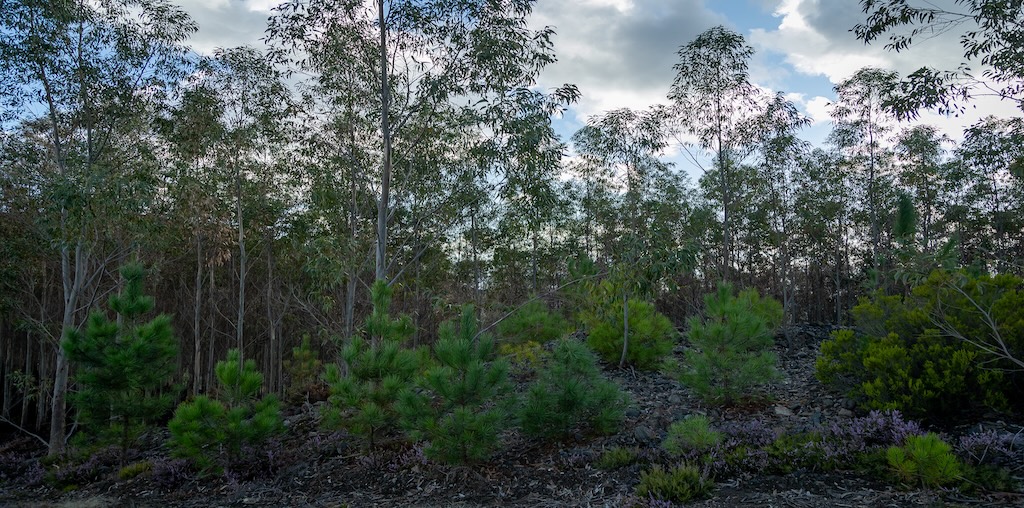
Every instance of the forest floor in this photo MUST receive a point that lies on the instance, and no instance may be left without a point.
(316, 469)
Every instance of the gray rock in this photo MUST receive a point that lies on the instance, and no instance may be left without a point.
(643, 434)
(783, 411)
(632, 412)
(845, 412)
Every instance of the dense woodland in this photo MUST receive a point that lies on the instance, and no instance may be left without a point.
(262, 194)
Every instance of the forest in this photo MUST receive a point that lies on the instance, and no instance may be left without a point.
(367, 255)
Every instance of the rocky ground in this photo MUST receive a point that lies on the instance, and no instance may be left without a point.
(311, 468)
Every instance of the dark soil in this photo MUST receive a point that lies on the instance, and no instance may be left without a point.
(312, 468)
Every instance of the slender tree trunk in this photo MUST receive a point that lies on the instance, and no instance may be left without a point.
(625, 329)
(243, 265)
(211, 343)
(26, 396)
(197, 306)
(385, 129)
(73, 280)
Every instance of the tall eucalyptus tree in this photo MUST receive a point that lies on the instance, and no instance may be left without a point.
(716, 102)
(428, 58)
(90, 67)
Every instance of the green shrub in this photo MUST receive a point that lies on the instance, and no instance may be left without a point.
(458, 406)
(730, 353)
(681, 484)
(910, 355)
(570, 394)
(525, 358)
(532, 322)
(924, 460)
(617, 457)
(302, 370)
(651, 335)
(692, 434)
(363, 396)
(212, 433)
(132, 470)
(124, 367)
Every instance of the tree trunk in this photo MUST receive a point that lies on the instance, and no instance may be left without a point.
(197, 372)
(625, 329)
(243, 260)
(385, 129)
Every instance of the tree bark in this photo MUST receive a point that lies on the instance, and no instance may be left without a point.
(385, 128)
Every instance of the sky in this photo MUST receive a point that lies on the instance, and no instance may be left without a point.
(620, 53)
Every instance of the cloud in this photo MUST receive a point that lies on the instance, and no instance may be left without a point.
(815, 38)
(619, 53)
(227, 23)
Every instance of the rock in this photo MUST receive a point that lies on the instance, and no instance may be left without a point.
(632, 412)
(849, 404)
(845, 413)
(643, 434)
(675, 399)
(783, 411)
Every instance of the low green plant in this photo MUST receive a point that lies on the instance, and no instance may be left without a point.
(525, 358)
(691, 434)
(302, 370)
(570, 394)
(681, 484)
(132, 470)
(954, 343)
(925, 460)
(730, 354)
(651, 334)
(213, 432)
(458, 406)
(617, 457)
(532, 322)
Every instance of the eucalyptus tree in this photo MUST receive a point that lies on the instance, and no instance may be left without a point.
(426, 57)
(90, 67)
(715, 101)
(628, 145)
(990, 34)
(861, 127)
(990, 156)
(255, 109)
(920, 154)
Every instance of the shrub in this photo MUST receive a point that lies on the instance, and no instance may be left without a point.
(532, 322)
(525, 358)
(924, 459)
(211, 432)
(617, 457)
(132, 470)
(362, 399)
(651, 335)
(570, 394)
(302, 370)
(456, 407)
(681, 484)
(692, 434)
(953, 344)
(729, 355)
(123, 366)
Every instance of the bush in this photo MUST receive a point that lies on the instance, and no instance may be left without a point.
(525, 358)
(570, 394)
(211, 432)
(692, 434)
(914, 354)
(926, 460)
(681, 484)
(132, 470)
(362, 399)
(651, 335)
(617, 457)
(532, 322)
(457, 405)
(729, 355)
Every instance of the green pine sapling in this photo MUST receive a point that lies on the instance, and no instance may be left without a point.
(570, 394)
(729, 354)
(302, 369)
(213, 433)
(362, 397)
(124, 367)
(459, 406)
